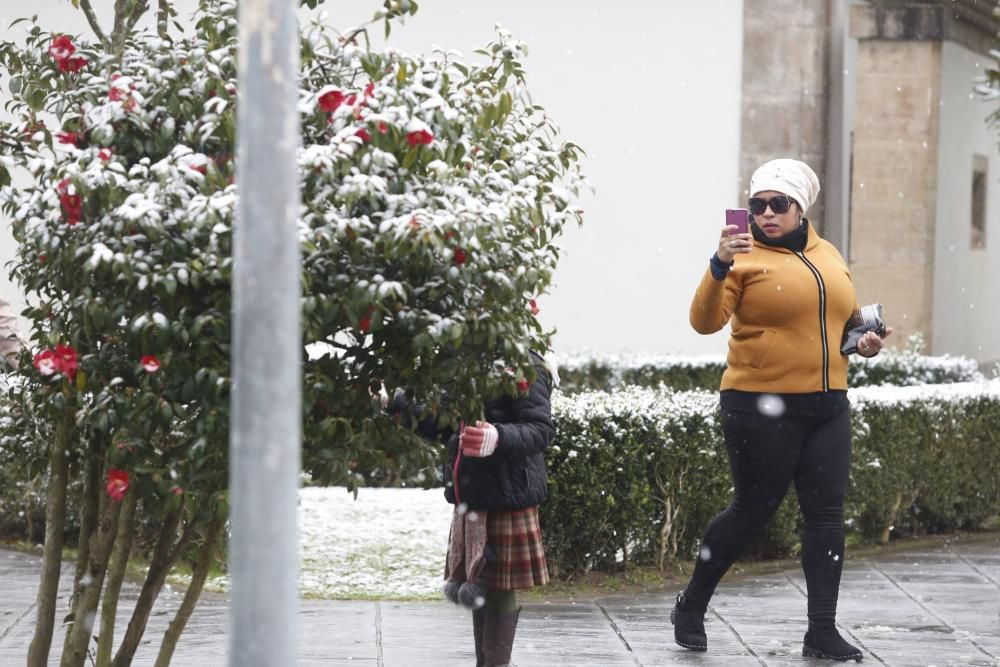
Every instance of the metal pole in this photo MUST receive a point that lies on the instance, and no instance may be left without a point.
(266, 435)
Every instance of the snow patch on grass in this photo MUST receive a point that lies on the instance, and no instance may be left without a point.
(389, 544)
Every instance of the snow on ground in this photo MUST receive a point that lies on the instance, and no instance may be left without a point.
(387, 544)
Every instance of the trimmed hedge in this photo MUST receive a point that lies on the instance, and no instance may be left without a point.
(636, 474)
(586, 372)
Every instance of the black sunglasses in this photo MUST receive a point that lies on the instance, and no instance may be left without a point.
(779, 204)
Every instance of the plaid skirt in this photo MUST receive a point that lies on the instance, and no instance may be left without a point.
(515, 558)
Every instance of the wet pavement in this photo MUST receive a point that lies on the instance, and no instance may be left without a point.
(938, 605)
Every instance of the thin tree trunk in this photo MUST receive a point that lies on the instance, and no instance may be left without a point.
(163, 19)
(116, 575)
(88, 523)
(884, 538)
(85, 610)
(55, 524)
(163, 559)
(205, 559)
(127, 15)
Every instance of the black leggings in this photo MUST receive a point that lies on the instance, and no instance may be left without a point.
(810, 443)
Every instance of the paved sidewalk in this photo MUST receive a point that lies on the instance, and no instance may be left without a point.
(934, 606)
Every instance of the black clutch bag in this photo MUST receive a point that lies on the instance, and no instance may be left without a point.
(869, 318)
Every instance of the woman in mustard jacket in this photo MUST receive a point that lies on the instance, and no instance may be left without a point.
(784, 409)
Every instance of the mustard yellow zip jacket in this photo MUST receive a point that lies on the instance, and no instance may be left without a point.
(787, 312)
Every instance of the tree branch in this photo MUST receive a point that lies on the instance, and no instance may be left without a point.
(163, 19)
(95, 25)
(137, 13)
(119, 27)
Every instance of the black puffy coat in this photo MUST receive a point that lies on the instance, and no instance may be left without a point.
(513, 477)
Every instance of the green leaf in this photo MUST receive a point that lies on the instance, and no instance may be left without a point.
(506, 103)
(410, 158)
(36, 99)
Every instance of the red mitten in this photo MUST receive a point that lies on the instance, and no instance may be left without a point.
(479, 440)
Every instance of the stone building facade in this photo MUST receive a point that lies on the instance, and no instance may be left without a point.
(878, 97)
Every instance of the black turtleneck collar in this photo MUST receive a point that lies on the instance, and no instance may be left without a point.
(794, 240)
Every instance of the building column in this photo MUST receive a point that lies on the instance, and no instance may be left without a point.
(895, 161)
(786, 46)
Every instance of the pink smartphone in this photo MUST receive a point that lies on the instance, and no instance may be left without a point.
(738, 217)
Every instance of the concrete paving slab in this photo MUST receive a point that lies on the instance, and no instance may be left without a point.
(936, 606)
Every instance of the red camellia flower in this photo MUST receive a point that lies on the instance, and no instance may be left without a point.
(150, 364)
(72, 203)
(69, 138)
(533, 306)
(351, 99)
(104, 154)
(117, 484)
(176, 490)
(61, 360)
(383, 127)
(72, 65)
(420, 138)
(46, 362)
(329, 102)
(370, 89)
(67, 360)
(61, 48)
(522, 386)
(365, 323)
(459, 257)
(116, 94)
(363, 134)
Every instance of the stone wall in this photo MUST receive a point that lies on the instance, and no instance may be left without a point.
(895, 180)
(786, 45)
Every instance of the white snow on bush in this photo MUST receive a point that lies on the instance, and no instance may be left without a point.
(955, 393)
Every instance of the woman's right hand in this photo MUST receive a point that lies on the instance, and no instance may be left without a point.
(731, 244)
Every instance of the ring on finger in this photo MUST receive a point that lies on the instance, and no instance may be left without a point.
(732, 244)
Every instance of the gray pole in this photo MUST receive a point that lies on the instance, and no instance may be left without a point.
(266, 433)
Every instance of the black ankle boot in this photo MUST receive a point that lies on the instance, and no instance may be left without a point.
(478, 624)
(499, 628)
(826, 642)
(688, 619)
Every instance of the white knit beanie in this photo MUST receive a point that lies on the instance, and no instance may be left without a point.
(789, 177)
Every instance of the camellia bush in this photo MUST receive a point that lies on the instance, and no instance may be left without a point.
(432, 192)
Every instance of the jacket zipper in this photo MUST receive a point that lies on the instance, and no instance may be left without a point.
(822, 319)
